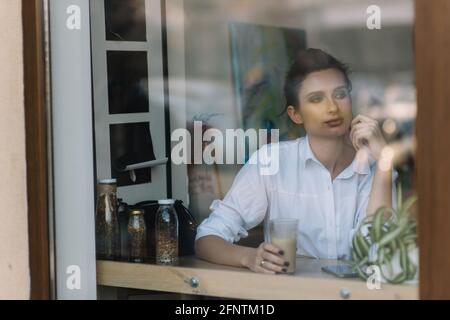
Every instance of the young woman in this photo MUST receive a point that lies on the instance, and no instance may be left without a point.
(329, 180)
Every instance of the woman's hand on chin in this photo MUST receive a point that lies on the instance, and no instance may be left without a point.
(267, 258)
(366, 133)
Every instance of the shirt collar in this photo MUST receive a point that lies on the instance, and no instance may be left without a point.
(361, 163)
(308, 154)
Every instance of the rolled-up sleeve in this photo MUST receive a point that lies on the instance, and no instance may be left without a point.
(363, 201)
(243, 208)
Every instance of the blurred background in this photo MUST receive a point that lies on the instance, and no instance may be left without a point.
(226, 63)
(236, 53)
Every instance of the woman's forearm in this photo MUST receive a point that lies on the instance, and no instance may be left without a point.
(217, 250)
(381, 193)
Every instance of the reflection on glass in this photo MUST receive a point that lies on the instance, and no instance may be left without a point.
(381, 61)
(127, 82)
(125, 20)
(260, 58)
(131, 143)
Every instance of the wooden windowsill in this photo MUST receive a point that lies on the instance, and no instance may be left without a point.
(309, 282)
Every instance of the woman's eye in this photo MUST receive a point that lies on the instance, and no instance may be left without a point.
(315, 99)
(341, 94)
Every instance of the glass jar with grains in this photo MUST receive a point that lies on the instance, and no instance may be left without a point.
(166, 233)
(137, 236)
(106, 223)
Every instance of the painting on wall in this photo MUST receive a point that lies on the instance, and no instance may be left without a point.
(261, 56)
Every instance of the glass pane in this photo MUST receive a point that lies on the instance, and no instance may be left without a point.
(250, 46)
(127, 82)
(125, 20)
(131, 143)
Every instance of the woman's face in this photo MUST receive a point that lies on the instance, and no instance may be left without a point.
(325, 105)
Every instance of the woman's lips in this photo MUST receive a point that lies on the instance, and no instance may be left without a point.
(334, 123)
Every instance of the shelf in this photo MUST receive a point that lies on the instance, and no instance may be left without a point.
(309, 282)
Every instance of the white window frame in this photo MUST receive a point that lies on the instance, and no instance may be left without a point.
(71, 141)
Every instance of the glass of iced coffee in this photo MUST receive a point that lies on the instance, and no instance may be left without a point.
(283, 234)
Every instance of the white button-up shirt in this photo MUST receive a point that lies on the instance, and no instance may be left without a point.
(328, 211)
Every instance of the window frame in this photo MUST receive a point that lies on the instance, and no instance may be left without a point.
(433, 177)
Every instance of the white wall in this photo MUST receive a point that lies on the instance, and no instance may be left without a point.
(14, 267)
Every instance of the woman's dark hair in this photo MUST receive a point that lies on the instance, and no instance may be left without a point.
(308, 61)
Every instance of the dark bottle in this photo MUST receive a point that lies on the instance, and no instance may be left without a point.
(137, 233)
(122, 212)
(106, 223)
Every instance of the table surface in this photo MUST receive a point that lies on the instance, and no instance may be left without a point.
(195, 276)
